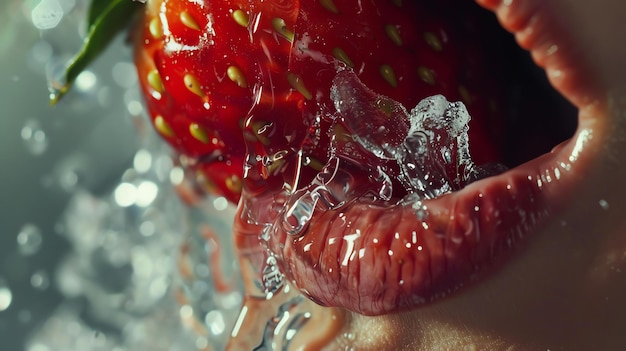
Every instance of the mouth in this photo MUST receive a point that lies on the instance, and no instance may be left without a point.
(383, 254)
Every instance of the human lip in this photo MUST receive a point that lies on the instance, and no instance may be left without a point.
(354, 258)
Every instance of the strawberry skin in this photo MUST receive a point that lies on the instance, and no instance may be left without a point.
(223, 76)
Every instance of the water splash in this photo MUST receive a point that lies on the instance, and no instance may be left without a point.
(426, 150)
(429, 144)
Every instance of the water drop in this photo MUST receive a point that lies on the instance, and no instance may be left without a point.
(147, 228)
(298, 215)
(142, 161)
(29, 240)
(158, 288)
(125, 194)
(55, 75)
(86, 81)
(6, 296)
(220, 203)
(34, 137)
(135, 108)
(215, 321)
(273, 278)
(186, 312)
(202, 343)
(40, 280)
(177, 175)
(147, 192)
(604, 204)
(68, 180)
(47, 14)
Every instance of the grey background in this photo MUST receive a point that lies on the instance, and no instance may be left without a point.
(90, 140)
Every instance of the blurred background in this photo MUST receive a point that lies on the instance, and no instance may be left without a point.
(91, 230)
(45, 152)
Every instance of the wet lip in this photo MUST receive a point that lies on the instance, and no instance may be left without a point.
(375, 259)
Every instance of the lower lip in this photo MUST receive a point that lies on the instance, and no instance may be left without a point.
(374, 259)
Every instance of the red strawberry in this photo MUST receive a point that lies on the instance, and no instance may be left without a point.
(219, 73)
(222, 74)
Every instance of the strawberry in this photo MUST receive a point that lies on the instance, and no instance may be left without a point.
(223, 77)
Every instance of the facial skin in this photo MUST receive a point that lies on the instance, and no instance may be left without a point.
(565, 290)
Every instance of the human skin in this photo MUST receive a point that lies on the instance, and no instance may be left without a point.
(565, 290)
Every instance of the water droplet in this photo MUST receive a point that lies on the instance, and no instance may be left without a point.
(272, 276)
(6, 296)
(29, 240)
(68, 180)
(55, 75)
(604, 204)
(147, 192)
(158, 288)
(86, 81)
(147, 228)
(47, 14)
(142, 161)
(186, 312)
(40, 280)
(135, 108)
(34, 137)
(177, 175)
(202, 343)
(421, 211)
(125, 194)
(215, 320)
(298, 215)
(220, 203)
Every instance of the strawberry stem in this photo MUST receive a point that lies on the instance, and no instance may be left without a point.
(106, 18)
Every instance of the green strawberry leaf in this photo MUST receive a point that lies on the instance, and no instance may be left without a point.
(96, 9)
(106, 18)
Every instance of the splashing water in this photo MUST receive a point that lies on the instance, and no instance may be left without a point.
(429, 144)
(425, 149)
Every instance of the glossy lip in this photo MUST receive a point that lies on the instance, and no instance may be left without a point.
(374, 260)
